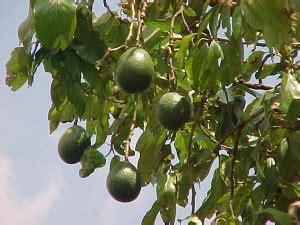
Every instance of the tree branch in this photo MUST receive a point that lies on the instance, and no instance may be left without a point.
(131, 27)
(141, 15)
(197, 116)
(107, 7)
(90, 5)
(238, 127)
(131, 129)
(259, 86)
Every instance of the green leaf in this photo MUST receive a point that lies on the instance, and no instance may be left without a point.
(252, 64)
(213, 23)
(148, 155)
(293, 112)
(26, 29)
(218, 189)
(226, 20)
(289, 90)
(164, 25)
(237, 23)
(231, 66)
(181, 145)
(88, 43)
(76, 97)
(263, 15)
(210, 66)
(152, 37)
(279, 217)
(188, 11)
(92, 76)
(149, 218)
(18, 68)
(250, 15)
(180, 55)
(270, 69)
(194, 64)
(193, 220)
(55, 22)
(58, 91)
(91, 160)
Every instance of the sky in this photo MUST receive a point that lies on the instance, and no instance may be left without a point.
(36, 187)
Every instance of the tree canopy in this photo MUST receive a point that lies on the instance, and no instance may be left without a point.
(236, 63)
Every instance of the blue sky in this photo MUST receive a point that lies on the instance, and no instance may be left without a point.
(37, 188)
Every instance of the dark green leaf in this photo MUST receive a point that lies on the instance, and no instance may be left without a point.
(252, 64)
(149, 218)
(180, 55)
(279, 217)
(181, 144)
(237, 22)
(148, 155)
(91, 160)
(55, 22)
(293, 112)
(218, 189)
(231, 66)
(270, 69)
(91, 75)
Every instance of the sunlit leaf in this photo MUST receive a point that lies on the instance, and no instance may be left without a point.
(18, 68)
(55, 22)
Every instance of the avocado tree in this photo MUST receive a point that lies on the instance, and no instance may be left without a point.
(192, 76)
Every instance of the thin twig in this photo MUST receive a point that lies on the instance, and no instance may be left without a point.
(107, 7)
(169, 50)
(131, 27)
(141, 16)
(108, 54)
(90, 5)
(131, 129)
(259, 86)
(239, 126)
(261, 67)
(193, 203)
(197, 117)
(210, 136)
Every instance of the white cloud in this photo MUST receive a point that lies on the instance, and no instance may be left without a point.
(19, 210)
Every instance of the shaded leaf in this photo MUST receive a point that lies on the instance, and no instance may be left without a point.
(148, 155)
(149, 218)
(279, 217)
(218, 189)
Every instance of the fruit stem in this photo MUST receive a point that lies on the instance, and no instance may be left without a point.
(131, 27)
(197, 116)
(141, 15)
(75, 122)
(131, 129)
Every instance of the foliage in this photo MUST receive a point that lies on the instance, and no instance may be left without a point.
(219, 53)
